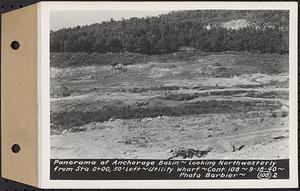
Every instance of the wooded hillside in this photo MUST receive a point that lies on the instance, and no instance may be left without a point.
(266, 32)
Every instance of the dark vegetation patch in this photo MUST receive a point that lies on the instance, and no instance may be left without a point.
(221, 72)
(283, 84)
(67, 120)
(166, 88)
(78, 59)
(67, 59)
(245, 93)
(146, 89)
(269, 94)
(249, 85)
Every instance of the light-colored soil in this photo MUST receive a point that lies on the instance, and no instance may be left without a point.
(155, 137)
(146, 110)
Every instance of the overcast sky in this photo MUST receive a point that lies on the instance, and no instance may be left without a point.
(63, 19)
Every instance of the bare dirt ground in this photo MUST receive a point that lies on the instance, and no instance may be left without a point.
(259, 137)
(142, 111)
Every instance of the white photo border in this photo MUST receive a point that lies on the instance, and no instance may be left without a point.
(44, 9)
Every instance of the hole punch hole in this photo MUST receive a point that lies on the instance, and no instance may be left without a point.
(15, 45)
(16, 148)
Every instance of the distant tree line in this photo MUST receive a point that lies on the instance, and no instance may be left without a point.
(170, 32)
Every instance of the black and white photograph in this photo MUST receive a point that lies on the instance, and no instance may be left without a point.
(169, 84)
(150, 95)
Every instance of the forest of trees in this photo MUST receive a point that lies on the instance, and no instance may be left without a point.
(167, 33)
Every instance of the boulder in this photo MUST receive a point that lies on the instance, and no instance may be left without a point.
(227, 145)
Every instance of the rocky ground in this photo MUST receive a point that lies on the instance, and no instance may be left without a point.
(229, 136)
(143, 111)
